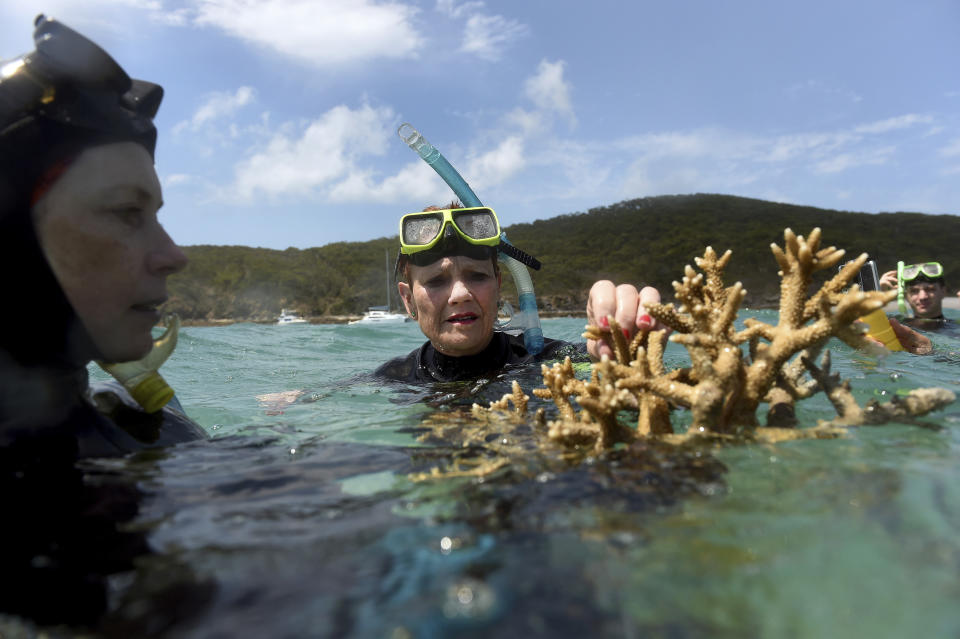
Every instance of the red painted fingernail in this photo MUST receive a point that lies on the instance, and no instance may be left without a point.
(604, 322)
(646, 319)
(626, 333)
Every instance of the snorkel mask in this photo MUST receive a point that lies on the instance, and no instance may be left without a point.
(426, 236)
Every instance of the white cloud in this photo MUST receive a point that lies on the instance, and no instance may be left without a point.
(497, 165)
(845, 161)
(451, 9)
(216, 106)
(892, 124)
(528, 122)
(952, 149)
(176, 179)
(487, 36)
(415, 181)
(303, 163)
(789, 147)
(549, 90)
(816, 87)
(324, 34)
(173, 18)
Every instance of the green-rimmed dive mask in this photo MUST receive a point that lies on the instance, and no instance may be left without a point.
(932, 270)
(426, 236)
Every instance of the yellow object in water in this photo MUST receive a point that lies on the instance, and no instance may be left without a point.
(880, 329)
(141, 378)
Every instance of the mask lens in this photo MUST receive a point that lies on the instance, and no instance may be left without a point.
(932, 269)
(421, 229)
(910, 272)
(480, 224)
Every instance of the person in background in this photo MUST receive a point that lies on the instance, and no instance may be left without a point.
(450, 281)
(86, 261)
(924, 289)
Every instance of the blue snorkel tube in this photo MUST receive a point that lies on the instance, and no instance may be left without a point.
(528, 318)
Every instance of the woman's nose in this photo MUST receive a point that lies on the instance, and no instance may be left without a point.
(460, 292)
(166, 258)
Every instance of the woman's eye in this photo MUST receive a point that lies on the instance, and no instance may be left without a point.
(129, 215)
(479, 277)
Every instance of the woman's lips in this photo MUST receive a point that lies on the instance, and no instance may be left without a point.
(462, 318)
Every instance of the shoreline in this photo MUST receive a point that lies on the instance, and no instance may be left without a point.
(334, 319)
(951, 302)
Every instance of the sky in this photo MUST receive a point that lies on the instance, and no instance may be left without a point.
(279, 122)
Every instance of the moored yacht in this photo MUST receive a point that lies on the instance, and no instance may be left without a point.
(289, 317)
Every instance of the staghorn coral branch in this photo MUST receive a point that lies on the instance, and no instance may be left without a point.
(833, 288)
(723, 325)
(722, 388)
(837, 390)
(668, 316)
(560, 384)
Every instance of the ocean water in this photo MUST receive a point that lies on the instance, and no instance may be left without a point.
(301, 519)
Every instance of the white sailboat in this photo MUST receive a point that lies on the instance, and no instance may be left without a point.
(289, 317)
(379, 315)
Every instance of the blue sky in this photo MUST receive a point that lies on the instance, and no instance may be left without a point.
(279, 123)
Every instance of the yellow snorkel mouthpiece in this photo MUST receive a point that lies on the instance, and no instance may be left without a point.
(140, 377)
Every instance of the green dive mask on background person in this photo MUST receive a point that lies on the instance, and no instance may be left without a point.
(907, 273)
(911, 272)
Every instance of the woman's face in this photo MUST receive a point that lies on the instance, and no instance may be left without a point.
(455, 302)
(98, 229)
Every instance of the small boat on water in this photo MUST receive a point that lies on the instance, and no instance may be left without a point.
(289, 317)
(381, 315)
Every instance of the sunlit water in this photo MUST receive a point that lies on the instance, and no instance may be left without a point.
(303, 522)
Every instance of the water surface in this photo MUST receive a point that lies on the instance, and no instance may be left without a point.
(300, 520)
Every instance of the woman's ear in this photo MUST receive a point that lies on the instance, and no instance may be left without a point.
(406, 294)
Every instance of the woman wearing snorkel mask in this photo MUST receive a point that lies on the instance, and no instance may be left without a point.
(449, 281)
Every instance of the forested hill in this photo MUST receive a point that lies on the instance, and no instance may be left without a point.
(644, 241)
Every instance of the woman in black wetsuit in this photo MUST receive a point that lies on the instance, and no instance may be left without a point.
(85, 263)
(452, 289)
(85, 257)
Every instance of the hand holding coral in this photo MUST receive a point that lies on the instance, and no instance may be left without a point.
(625, 304)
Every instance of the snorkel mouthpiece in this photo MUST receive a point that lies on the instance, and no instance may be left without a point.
(528, 319)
